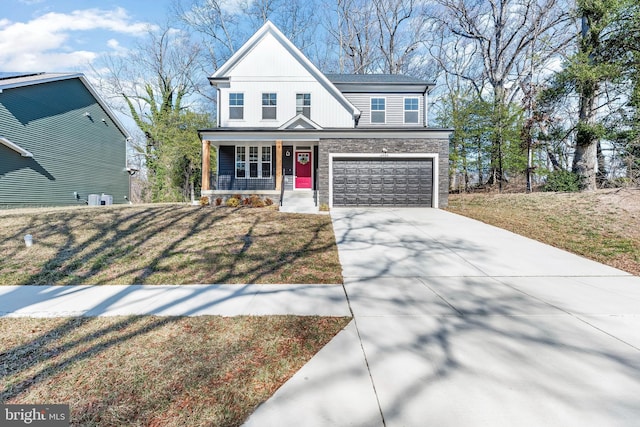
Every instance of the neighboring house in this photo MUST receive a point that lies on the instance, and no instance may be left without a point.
(351, 140)
(59, 142)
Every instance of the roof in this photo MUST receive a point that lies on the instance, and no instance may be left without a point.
(376, 79)
(364, 83)
(14, 80)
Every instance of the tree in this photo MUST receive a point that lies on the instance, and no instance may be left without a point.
(504, 33)
(606, 61)
(155, 80)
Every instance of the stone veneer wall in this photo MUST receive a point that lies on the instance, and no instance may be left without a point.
(375, 145)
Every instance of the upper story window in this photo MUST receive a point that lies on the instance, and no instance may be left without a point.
(269, 106)
(411, 108)
(378, 110)
(236, 106)
(303, 104)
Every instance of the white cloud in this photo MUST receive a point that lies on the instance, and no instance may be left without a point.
(43, 43)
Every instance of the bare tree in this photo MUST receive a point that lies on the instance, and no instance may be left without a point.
(504, 32)
(399, 33)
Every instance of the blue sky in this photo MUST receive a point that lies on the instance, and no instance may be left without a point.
(68, 35)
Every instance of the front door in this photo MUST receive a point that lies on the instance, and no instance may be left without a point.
(303, 169)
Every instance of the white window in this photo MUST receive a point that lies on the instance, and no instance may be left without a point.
(241, 162)
(269, 106)
(236, 106)
(253, 162)
(378, 110)
(266, 162)
(303, 104)
(411, 108)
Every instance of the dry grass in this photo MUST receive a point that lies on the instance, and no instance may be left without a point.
(154, 371)
(602, 225)
(166, 244)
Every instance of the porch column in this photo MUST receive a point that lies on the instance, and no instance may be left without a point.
(278, 164)
(206, 161)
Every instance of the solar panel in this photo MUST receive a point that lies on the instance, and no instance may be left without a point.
(14, 74)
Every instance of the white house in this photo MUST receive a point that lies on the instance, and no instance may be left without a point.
(348, 140)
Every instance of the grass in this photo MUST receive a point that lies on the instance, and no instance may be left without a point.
(603, 225)
(166, 244)
(152, 371)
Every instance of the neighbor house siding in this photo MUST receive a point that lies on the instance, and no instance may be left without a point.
(71, 152)
(392, 145)
(394, 108)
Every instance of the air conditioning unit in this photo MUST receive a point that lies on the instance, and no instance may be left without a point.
(93, 200)
(106, 200)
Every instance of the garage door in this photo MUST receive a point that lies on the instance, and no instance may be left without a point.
(382, 182)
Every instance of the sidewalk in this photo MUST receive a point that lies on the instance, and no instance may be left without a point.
(183, 300)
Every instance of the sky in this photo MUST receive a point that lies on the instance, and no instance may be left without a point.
(69, 35)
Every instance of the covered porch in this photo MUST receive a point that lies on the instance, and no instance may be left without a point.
(250, 166)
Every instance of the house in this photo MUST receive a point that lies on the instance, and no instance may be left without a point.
(347, 140)
(59, 143)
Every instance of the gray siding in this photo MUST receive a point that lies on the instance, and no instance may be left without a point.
(373, 145)
(394, 108)
(71, 152)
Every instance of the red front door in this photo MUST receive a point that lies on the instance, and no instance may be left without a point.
(303, 169)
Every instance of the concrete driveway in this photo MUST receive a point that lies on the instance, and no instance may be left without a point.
(457, 323)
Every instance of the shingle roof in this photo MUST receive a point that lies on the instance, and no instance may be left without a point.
(375, 79)
(24, 79)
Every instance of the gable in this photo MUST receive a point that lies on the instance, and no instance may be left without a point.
(269, 55)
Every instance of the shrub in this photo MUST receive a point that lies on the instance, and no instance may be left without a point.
(268, 201)
(246, 201)
(324, 207)
(563, 181)
(257, 203)
(237, 196)
(204, 201)
(232, 202)
(218, 201)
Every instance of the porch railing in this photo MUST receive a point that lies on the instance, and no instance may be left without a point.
(230, 182)
(282, 188)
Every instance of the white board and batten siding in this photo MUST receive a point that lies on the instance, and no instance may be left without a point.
(394, 114)
(270, 68)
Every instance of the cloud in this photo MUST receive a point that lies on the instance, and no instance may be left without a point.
(45, 42)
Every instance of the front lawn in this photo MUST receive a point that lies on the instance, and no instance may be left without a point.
(166, 244)
(156, 371)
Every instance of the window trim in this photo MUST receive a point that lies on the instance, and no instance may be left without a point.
(371, 110)
(275, 106)
(259, 162)
(405, 111)
(307, 107)
(236, 106)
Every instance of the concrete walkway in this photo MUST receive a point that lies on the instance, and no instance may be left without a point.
(457, 323)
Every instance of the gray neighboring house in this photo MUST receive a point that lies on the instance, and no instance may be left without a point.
(59, 142)
(346, 140)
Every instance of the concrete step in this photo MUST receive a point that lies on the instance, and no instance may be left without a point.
(298, 202)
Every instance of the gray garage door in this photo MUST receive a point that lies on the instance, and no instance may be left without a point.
(382, 182)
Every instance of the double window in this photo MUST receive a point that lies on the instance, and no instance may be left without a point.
(236, 106)
(303, 104)
(411, 109)
(269, 106)
(253, 161)
(378, 110)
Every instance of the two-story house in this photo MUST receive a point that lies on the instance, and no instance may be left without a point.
(351, 140)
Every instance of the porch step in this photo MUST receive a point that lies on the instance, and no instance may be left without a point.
(299, 202)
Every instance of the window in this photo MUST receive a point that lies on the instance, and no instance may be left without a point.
(303, 104)
(241, 164)
(253, 162)
(269, 105)
(411, 110)
(266, 162)
(378, 110)
(236, 106)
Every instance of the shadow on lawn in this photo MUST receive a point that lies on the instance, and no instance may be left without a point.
(169, 245)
